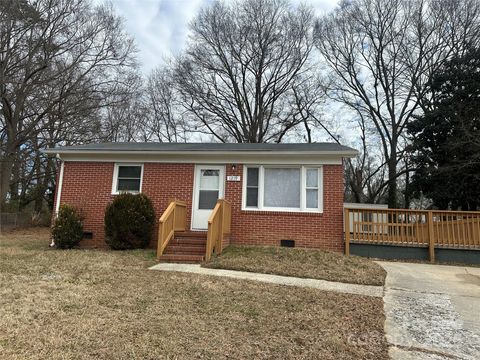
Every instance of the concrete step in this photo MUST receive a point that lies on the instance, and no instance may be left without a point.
(181, 258)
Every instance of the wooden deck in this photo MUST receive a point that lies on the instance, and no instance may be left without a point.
(413, 228)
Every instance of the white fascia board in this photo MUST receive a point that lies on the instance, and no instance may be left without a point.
(208, 157)
(344, 154)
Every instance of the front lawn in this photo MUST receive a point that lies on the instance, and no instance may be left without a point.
(87, 304)
(305, 263)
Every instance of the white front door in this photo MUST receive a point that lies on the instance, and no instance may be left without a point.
(209, 185)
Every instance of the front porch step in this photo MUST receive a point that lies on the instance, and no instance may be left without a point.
(181, 258)
(191, 234)
(187, 241)
(194, 249)
(186, 247)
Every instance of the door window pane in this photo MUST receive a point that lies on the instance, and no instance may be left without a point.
(207, 199)
(282, 188)
(312, 198)
(210, 179)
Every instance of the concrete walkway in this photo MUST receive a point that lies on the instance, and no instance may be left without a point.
(432, 311)
(368, 290)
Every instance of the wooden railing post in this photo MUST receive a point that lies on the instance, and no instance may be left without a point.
(168, 224)
(208, 252)
(218, 248)
(346, 220)
(160, 238)
(431, 238)
(174, 215)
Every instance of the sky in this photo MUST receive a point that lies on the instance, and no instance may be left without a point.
(160, 27)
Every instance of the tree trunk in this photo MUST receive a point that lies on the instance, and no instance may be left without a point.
(15, 184)
(6, 173)
(392, 180)
(407, 190)
(42, 185)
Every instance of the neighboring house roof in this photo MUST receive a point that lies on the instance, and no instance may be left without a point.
(205, 148)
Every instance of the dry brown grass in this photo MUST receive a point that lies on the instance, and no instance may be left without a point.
(315, 264)
(86, 304)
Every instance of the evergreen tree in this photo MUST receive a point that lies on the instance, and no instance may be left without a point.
(446, 139)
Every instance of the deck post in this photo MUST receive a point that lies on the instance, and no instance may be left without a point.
(431, 238)
(160, 239)
(346, 220)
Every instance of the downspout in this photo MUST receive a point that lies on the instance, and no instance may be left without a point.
(59, 192)
(59, 187)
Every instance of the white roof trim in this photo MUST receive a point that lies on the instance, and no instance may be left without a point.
(207, 157)
(189, 153)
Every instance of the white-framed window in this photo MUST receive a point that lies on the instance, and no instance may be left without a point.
(283, 188)
(127, 177)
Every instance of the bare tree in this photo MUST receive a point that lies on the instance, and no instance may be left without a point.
(124, 109)
(381, 54)
(241, 62)
(365, 174)
(58, 61)
(165, 119)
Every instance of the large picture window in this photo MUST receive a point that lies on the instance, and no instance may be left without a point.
(127, 178)
(283, 188)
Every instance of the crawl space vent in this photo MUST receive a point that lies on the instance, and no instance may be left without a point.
(287, 243)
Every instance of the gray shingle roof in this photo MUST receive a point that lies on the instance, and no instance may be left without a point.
(204, 147)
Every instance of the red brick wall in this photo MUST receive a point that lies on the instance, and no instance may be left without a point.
(88, 186)
(316, 230)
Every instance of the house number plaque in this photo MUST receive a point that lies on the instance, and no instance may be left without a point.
(233, 178)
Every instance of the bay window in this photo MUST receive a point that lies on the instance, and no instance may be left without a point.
(283, 188)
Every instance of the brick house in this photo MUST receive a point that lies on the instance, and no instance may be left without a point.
(276, 191)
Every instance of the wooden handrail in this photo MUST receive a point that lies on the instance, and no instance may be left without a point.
(413, 210)
(420, 228)
(218, 226)
(174, 218)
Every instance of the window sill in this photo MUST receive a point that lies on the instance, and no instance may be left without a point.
(126, 192)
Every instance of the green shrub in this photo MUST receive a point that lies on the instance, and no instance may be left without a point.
(129, 222)
(67, 230)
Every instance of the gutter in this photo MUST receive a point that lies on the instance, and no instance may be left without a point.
(59, 152)
(59, 187)
(59, 193)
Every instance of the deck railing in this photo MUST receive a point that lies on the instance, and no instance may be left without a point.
(418, 228)
(218, 226)
(174, 218)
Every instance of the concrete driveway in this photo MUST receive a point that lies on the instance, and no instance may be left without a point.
(432, 311)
